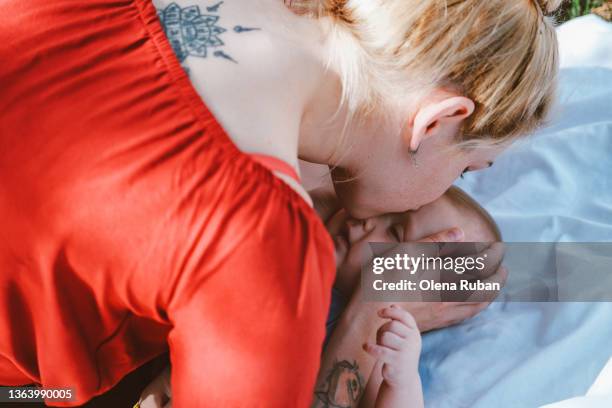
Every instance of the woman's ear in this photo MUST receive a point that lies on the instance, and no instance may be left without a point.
(431, 117)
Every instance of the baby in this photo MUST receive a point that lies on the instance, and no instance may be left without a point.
(395, 380)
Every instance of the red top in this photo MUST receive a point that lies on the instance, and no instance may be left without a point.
(275, 164)
(129, 220)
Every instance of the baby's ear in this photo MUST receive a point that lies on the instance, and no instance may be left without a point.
(431, 117)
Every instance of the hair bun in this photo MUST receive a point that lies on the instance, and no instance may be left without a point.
(549, 6)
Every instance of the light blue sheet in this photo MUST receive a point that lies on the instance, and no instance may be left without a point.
(555, 187)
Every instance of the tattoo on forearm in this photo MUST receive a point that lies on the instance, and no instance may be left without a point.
(193, 34)
(343, 386)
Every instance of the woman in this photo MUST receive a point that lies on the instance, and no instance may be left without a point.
(138, 223)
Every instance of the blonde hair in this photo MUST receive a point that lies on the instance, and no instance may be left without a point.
(500, 53)
(462, 199)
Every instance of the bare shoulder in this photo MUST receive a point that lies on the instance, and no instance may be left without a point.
(240, 57)
(209, 30)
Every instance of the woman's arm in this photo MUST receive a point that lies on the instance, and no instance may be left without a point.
(344, 353)
(395, 381)
(345, 366)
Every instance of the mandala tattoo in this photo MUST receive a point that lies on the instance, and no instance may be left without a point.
(343, 386)
(193, 34)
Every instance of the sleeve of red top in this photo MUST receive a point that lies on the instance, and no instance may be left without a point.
(252, 330)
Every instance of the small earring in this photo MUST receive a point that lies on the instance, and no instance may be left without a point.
(413, 155)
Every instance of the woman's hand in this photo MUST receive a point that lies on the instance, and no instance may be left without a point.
(431, 316)
(435, 309)
(358, 325)
(157, 394)
(440, 314)
(360, 321)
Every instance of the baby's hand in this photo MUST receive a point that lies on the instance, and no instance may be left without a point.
(398, 346)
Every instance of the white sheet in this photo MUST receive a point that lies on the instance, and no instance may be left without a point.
(555, 187)
(598, 396)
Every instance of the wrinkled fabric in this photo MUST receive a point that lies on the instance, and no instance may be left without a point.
(130, 222)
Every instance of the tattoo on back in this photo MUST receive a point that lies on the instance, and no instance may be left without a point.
(193, 34)
(343, 386)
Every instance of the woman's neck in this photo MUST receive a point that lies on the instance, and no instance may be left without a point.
(321, 121)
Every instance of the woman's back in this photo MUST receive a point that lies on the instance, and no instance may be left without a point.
(128, 215)
(248, 60)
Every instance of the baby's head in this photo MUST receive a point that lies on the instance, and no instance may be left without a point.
(453, 209)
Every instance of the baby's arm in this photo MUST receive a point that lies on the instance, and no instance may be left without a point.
(397, 349)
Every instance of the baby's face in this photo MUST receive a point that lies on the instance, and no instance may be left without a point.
(351, 236)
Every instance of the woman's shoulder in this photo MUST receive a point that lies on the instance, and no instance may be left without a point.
(240, 59)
